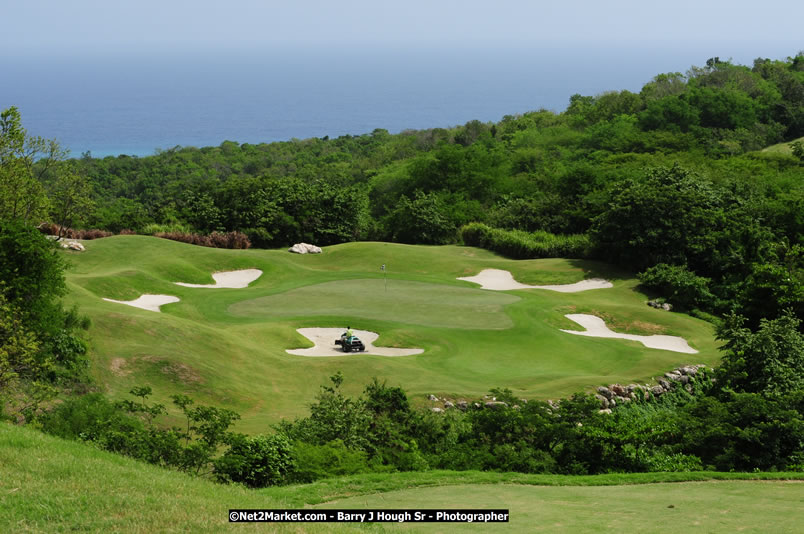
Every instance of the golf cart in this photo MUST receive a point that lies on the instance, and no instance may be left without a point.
(350, 343)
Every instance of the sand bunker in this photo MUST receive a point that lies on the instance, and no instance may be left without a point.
(229, 279)
(596, 327)
(148, 302)
(499, 280)
(324, 339)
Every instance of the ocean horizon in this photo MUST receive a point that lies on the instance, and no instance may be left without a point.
(135, 104)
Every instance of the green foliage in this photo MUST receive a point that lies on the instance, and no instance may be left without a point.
(40, 344)
(664, 462)
(32, 274)
(130, 428)
(19, 354)
(723, 107)
(769, 361)
(797, 148)
(333, 416)
(526, 245)
(774, 285)
(679, 286)
(670, 216)
(22, 196)
(673, 113)
(257, 461)
(422, 219)
(620, 134)
(88, 418)
(69, 195)
(745, 431)
(384, 400)
(313, 462)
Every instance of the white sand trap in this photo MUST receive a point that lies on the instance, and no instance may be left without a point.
(596, 327)
(324, 339)
(229, 279)
(148, 302)
(499, 280)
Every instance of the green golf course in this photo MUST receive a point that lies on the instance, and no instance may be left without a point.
(227, 347)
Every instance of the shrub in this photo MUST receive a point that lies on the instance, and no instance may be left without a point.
(167, 228)
(71, 233)
(313, 462)
(678, 285)
(526, 245)
(257, 461)
(232, 240)
(422, 220)
(88, 418)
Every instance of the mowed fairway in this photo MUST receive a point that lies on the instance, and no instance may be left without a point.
(722, 506)
(227, 346)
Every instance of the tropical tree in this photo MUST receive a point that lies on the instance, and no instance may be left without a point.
(24, 159)
(70, 198)
(768, 361)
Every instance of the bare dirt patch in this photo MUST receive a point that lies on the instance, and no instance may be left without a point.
(182, 373)
(118, 367)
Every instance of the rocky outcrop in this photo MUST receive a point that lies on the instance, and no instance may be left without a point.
(660, 305)
(615, 394)
(305, 248)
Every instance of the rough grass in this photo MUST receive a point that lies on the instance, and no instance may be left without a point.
(51, 485)
(782, 148)
(227, 346)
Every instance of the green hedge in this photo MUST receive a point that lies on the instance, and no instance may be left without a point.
(526, 245)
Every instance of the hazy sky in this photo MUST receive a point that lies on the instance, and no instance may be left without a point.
(86, 26)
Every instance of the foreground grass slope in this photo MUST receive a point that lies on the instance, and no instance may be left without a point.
(51, 485)
(227, 346)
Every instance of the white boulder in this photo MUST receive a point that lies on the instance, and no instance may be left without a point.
(305, 248)
(73, 245)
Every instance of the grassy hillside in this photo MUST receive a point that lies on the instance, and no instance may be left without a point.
(783, 148)
(51, 485)
(227, 346)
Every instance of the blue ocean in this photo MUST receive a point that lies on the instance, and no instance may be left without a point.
(130, 103)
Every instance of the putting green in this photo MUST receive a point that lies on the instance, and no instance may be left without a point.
(414, 303)
(227, 347)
